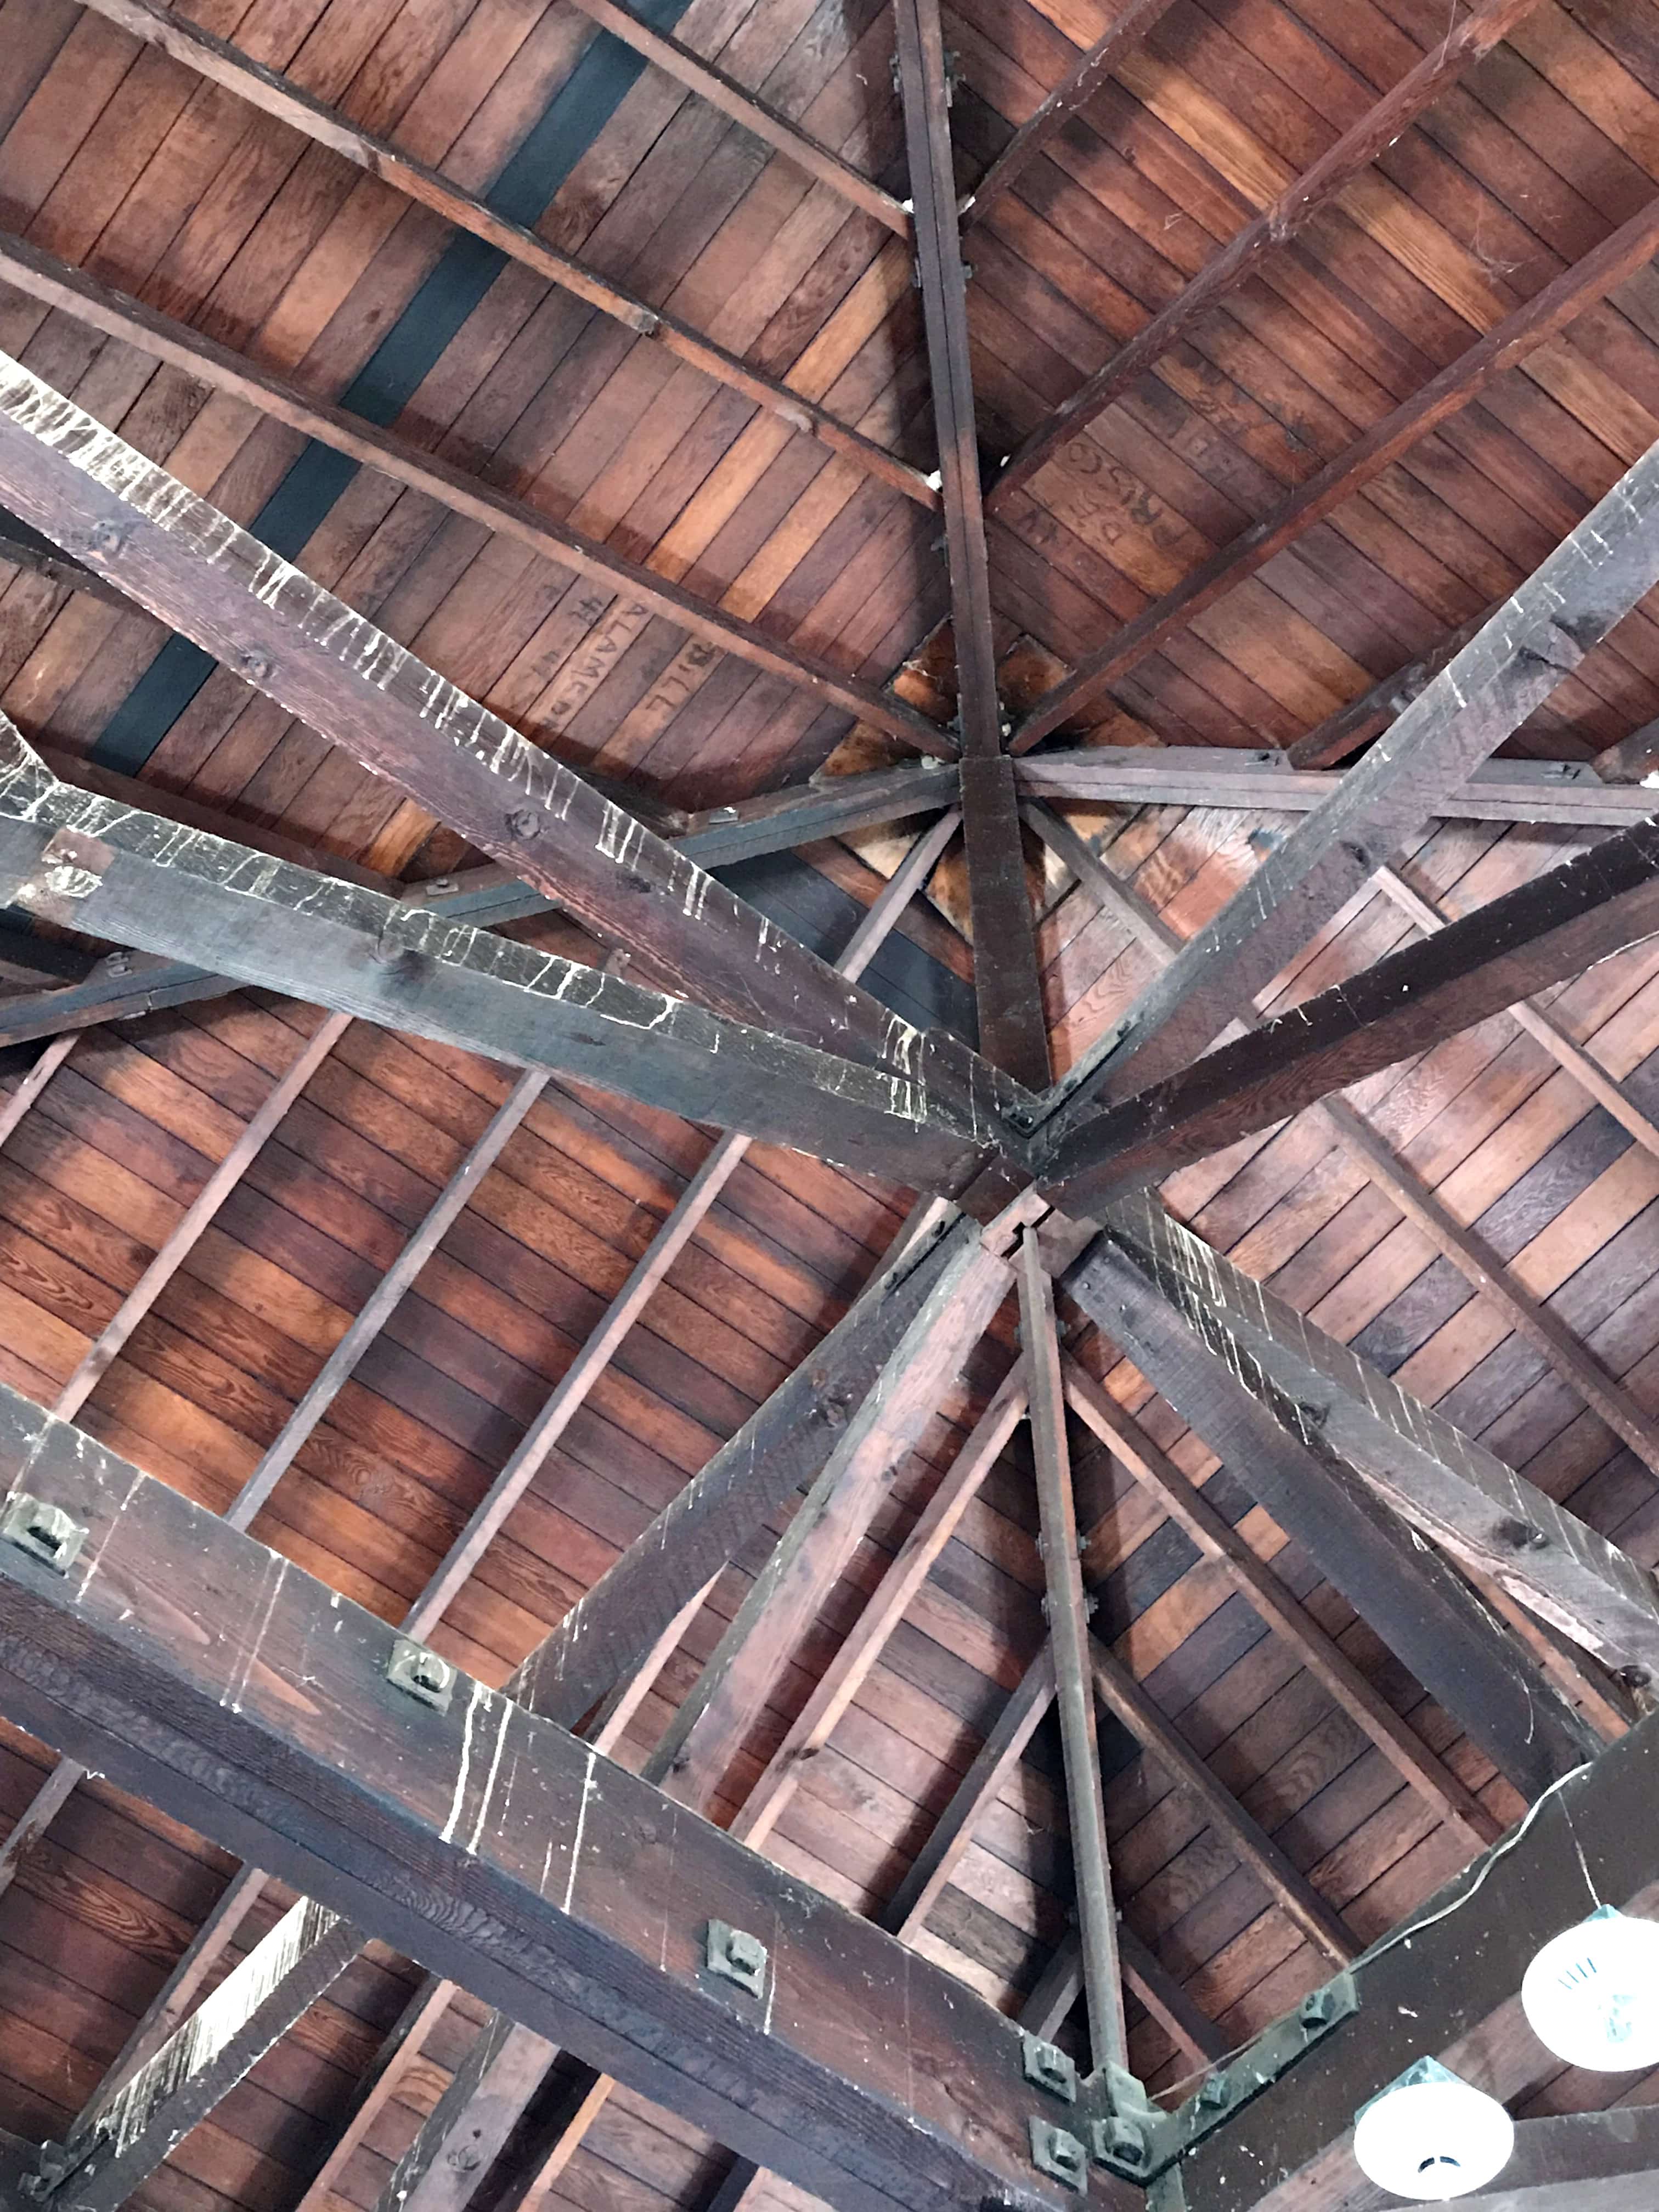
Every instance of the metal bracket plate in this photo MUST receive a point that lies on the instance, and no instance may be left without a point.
(736, 1956)
(45, 1532)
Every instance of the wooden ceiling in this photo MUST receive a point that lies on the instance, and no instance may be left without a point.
(1321, 476)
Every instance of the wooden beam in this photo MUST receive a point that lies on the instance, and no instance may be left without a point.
(125, 2138)
(1069, 98)
(1569, 792)
(1579, 2162)
(814, 1550)
(1366, 717)
(1067, 1611)
(1423, 1613)
(1545, 932)
(1540, 317)
(1446, 1484)
(497, 1847)
(1256, 1581)
(1013, 1023)
(1358, 147)
(756, 115)
(139, 880)
(1469, 1947)
(22, 547)
(1296, 1896)
(275, 95)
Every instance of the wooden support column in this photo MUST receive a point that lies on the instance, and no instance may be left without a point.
(406, 1820)
(1464, 45)
(1511, 666)
(1545, 932)
(1420, 1608)
(275, 95)
(1069, 98)
(1519, 334)
(1067, 1610)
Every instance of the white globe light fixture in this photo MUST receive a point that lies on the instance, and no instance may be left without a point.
(1591, 1996)
(1430, 2136)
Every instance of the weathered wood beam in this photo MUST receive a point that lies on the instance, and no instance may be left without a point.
(1071, 1653)
(1013, 1024)
(1256, 1581)
(130, 877)
(123, 2138)
(1509, 341)
(1358, 147)
(1469, 1947)
(1580, 2163)
(1536, 638)
(42, 276)
(1422, 1610)
(677, 60)
(568, 1893)
(221, 64)
(814, 1550)
(1446, 1484)
(1546, 931)
(1570, 793)
(1296, 1896)
(1069, 98)
(861, 1648)
(1366, 717)
(1539, 1022)
(22, 547)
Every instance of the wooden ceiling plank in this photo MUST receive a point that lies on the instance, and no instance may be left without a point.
(679, 61)
(1186, 2024)
(1361, 144)
(1291, 1889)
(1470, 1945)
(186, 894)
(275, 95)
(1067, 1610)
(1069, 98)
(1550, 311)
(1512, 665)
(1013, 1029)
(1422, 1610)
(1448, 1485)
(1546, 931)
(371, 1801)
(150, 2114)
(1320, 1653)
(36, 272)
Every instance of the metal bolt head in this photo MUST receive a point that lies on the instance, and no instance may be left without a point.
(525, 822)
(1120, 2143)
(45, 1532)
(1060, 2155)
(257, 666)
(1046, 2066)
(421, 1674)
(105, 538)
(736, 1956)
(1317, 2009)
(1215, 2091)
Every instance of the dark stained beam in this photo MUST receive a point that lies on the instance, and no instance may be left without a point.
(1508, 342)
(1447, 1485)
(1580, 2163)
(679, 61)
(1547, 930)
(1071, 1657)
(1473, 1942)
(122, 2140)
(220, 64)
(1536, 638)
(1447, 59)
(1069, 98)
(128, 876)
(1422, 1610)
(1366, 717)
(491, 1844)
(1012, 1029)
(31, 269)
(1568, 792)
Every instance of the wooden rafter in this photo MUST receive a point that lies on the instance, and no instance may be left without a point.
(36, 272)
(274, 95)
(1447, 59)
(1502, 347)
